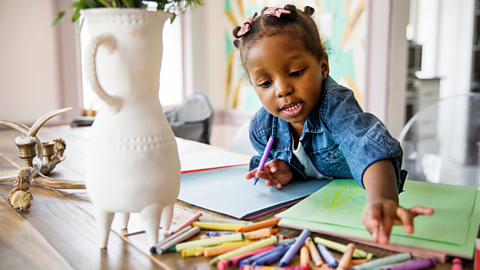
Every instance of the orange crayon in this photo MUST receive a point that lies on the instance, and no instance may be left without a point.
(359, 261)
(212, 251)
(258, 225)
(346, 258)
(260, 234)
(314, 253)
(304, 258)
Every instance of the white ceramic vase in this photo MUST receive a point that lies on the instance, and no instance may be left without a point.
(132, 163)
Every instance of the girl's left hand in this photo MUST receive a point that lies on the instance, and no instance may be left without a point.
(381, 214)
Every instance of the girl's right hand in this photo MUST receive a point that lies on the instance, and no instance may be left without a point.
(276, 173)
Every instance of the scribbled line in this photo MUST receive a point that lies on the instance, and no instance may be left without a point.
(339, 197)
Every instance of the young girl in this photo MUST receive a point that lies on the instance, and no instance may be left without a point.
(319, 129)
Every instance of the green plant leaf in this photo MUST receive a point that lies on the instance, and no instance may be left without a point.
(105, 3)
(59, 18)
(173, 18)
(75, 15)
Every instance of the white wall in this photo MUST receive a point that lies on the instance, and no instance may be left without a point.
(205, 52)
(37, 62)
(445, 29)
(387, 62)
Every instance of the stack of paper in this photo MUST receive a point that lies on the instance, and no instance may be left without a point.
(227, 191)
(337, 209)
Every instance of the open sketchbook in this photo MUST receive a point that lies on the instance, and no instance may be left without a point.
(337, 208)
(226, 191)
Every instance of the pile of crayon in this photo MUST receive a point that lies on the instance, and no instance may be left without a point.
(256, 246)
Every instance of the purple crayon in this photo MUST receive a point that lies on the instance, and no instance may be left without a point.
(273, 256)
(294, 248)
(329, 258)
(250, 260)
(264, 157)
(414, 265)
(221, 265)
(213, 234)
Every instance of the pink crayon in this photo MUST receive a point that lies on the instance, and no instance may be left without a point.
(234, 261)
(188, 222)
(259, 267)
(457, 264)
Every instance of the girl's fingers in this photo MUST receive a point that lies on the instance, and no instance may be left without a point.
(405, 217)
(374, 234)
(251, 174)
(264, 175)
(273, 165)
(420, 210)
(371, 217)
(387, 223)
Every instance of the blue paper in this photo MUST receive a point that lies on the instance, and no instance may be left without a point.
(227, 191)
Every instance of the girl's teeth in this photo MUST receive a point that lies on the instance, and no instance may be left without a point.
(292, 107)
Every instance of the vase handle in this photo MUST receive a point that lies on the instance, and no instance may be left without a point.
(109, 42)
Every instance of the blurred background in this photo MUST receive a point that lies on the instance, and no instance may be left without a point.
(398, 56)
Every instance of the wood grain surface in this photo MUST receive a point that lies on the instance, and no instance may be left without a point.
(59, 230)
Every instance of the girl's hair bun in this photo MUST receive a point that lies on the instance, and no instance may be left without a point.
(293, 11)
(235, 31)
(309, 10)
(236, 43)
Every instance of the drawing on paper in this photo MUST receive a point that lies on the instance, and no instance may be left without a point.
(341, 196)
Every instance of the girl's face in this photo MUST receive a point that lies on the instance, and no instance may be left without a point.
(286, 77)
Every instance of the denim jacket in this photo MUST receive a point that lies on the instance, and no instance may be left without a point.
(340, 139)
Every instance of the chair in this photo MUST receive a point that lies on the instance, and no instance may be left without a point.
(441, 142)
(241, 141)
(192, 119)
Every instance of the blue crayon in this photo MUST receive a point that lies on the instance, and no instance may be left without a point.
(327, 256)
(273, 256)
(212, 234)
(250, 260)
(294, 248)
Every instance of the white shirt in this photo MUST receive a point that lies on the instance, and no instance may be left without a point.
(302, 156)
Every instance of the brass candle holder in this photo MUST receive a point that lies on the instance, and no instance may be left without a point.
(48, 149)
(27, 152)
(29, 147)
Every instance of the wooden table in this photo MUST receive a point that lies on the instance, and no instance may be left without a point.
(59, 231)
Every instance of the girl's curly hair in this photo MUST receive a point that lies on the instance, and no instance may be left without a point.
(298, 24)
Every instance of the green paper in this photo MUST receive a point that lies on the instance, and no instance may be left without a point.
(465, 251)
(337, 208)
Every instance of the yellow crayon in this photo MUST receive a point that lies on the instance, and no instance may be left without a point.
(217, 226)
(207, 242)
(358, 253)
(193, 252)
(197, 251)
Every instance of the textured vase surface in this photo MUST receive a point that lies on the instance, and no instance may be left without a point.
(132, 163)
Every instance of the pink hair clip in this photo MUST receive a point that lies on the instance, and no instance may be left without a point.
(246, 25)
(273, 11)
